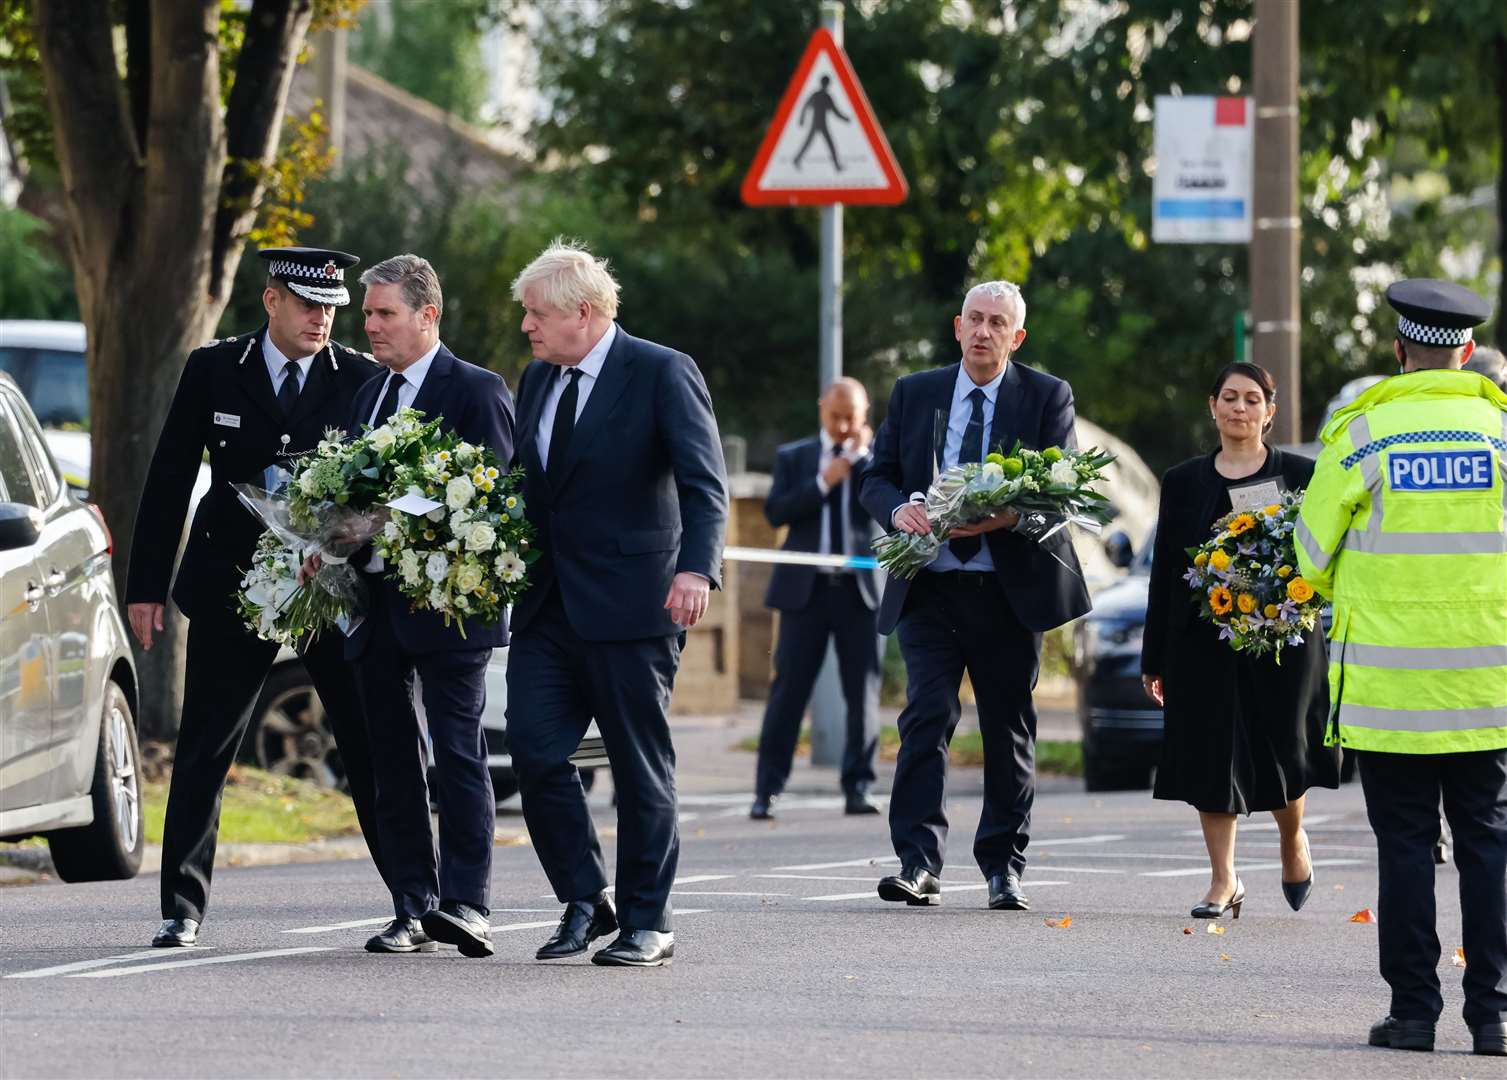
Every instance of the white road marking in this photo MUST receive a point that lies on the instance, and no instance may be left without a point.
(878, 860)
(87, 965)
(709, 892)
(1126, 855)
(1269, 826)
(871, 894)
(1106, 838)
(1247, 868)
(1084, 870)
(813, 877)
(353, 924)
(677, 881)
(687, 817)
(235, 958)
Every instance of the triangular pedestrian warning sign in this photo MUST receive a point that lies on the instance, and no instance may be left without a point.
(824, 146)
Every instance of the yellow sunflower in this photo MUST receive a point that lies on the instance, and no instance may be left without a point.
(1220, 600)
(1272, 511)
(1242, 523)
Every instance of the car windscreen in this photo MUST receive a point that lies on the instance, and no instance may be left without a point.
(59, 390)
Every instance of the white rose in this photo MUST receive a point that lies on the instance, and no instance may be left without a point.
(1062, 472)
(458, 523)
(481, 538)
(458, 493)
(391, 530)
(437, 567)
(408, 566)
(992, 473)
(437, 598)
(437, 514)
(383, 439)
(468, 578)
(307, 484)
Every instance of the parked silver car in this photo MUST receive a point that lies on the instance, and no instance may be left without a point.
(68, 750)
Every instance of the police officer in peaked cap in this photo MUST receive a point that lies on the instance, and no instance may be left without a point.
(251, 401)
(1404, 527)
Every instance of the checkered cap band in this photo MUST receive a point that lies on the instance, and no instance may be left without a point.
(1432, 335)
(288, 268)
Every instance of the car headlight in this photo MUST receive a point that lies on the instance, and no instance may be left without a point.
(1112, 637)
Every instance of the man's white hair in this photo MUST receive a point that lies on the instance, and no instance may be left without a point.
(1000, 290)
(566, 275)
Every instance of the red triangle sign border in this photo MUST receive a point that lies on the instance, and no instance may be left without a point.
(895, 189)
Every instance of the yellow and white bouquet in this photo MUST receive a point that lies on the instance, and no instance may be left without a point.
(461, 545)
(1245, 580)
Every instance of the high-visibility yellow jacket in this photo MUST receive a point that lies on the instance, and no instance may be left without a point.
(1404, 527)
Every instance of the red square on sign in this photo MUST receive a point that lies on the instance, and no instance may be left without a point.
(1229, 111)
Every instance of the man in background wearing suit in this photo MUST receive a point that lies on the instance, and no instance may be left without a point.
(815, 494)
(982, 606)
(251, 401)
(444, 900)
(625, 482)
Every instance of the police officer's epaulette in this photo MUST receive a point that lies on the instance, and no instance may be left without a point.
(246, 340)
(337, 349)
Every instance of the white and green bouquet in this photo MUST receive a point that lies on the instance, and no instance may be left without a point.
(376, 489)
(465, 552)
(1053, 486)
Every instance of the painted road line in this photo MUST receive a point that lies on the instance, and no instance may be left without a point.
(1127, 855)
(871, 894)
(877, 860)
(235, 958)
(813, 877)
(687, 817)
(88, 965)
(381, 920)
(1249, 867)
(1080, 869)
(1107, 838)
(709, 892)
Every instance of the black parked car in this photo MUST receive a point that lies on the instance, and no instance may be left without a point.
(1122, 727)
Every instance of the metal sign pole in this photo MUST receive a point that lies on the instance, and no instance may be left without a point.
(828, 709)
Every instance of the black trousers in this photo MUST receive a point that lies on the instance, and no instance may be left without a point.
(556, 684)
(1402, 800)
(226, 667)
(455, 693)
(955, 622)
(836, 612)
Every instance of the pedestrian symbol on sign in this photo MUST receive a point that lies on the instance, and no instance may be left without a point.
(818, 105)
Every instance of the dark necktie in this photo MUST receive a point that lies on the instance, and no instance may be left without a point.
(972, 449)
(834, 513)
(287, 395)
(565, 426)
(389, 400)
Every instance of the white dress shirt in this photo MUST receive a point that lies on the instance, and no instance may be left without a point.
(277, 365)
(590, 368)
(413, 379)
(957, 422)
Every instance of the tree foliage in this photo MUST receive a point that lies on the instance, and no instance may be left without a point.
(432, 50)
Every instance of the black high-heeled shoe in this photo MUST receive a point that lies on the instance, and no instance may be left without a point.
(1297, 892)
(1209, 909)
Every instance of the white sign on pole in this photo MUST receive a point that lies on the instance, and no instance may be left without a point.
(1202, 189)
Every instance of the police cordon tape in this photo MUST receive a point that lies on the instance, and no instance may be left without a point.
(800, 558)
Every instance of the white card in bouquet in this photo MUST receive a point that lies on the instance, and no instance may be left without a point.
(414, 504)
(1255, 496)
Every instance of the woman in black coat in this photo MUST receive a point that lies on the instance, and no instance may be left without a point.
(1241, 733)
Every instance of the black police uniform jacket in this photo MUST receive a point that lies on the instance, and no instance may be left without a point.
(225, 405)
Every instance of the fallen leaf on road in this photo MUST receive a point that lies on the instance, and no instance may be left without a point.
(1187, 929)
(850, 978)
(1365, 914)
(1224, 956)
(1459, 958)
(1214, 928)
(1339, 888)
(1059, 924)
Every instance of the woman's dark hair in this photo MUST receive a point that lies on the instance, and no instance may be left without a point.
(1254, 372)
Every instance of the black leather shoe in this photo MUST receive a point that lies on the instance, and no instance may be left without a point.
(1005, 894)
(460, 925)
(1403, 1034)
(402, 936)
(177, 934)
(1210, 909)
(916, 885)
(860, 804)
(1490, 1039)
(763, 807)
(582, 923)
(637, 948)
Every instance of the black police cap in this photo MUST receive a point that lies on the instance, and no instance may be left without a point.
(1431, 312)
(316, 274)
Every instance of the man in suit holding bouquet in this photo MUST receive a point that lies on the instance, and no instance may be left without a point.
(982, 606)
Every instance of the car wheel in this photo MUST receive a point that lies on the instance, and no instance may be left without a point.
(290, 733)
(108, 849)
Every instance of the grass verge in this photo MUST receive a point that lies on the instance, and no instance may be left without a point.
(261, 808)
(1060, 757)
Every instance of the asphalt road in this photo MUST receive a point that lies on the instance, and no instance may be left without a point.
(787, 964)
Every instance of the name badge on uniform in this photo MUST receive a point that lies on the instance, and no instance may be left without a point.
(1255, 496)
(1440, 470)
(225, 419)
